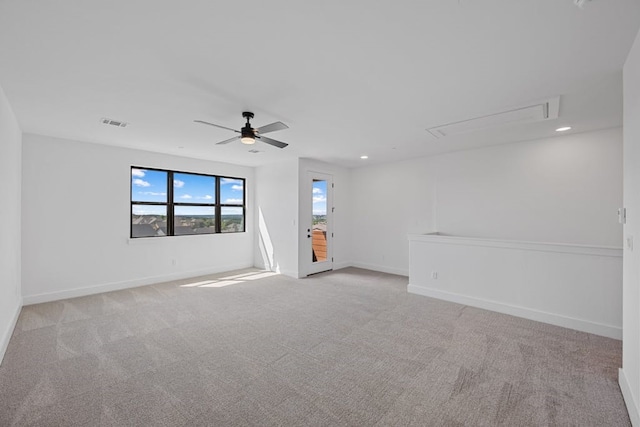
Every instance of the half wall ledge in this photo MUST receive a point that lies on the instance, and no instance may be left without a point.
(573, 286)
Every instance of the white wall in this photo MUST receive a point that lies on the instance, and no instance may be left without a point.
(10, 176)
(341, 215)
(572, 286)
(388, 202)
(276, 245)
(281, 189)
(564, 189)
(75, 236)
(630, 372)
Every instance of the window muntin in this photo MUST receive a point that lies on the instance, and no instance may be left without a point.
(172, 203)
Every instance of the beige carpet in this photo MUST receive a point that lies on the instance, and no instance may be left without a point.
(349, 347)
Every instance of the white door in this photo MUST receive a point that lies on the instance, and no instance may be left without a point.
(319, 232)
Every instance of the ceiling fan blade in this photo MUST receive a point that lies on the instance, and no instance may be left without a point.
(226, 141)
(271, 141)
(218, 126)
(272, 127)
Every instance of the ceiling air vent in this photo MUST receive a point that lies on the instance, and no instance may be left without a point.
(544, 110)
(254, 151)
(112, 122)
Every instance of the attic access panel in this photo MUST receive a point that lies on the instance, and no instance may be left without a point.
(544, 110)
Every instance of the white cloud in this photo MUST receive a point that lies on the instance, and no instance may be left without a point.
(231, 201)
(206, 197)
(177, 183)
(149, 210)
(224, 181)
(319, 212)
(152, 193)
(141, 183)
(137, 172)
(317, 191)
(186, 196)
(237, 187)
(318, 199)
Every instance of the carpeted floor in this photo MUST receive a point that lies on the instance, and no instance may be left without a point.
(349, 347)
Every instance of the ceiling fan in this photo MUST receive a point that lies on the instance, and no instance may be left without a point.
(248, 134)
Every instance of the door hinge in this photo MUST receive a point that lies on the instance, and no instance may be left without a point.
(331, 234)
(331, 259)
(622, 215)
(333, 210)
(332, 185)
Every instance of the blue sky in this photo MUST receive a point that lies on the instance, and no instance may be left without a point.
(151, 186)
(319, 197)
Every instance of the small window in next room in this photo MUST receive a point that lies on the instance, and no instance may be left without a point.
(172, 203)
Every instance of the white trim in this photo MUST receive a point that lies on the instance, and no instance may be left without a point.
(527, 313)
(6, 336)
(627, 395)
(436, 237)
(381, 268)
(289, 273)
(341, 265)
(116, 286)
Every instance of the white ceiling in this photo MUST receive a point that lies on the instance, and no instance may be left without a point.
(348, 77)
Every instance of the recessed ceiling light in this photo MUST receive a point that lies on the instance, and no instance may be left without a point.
(563, 129)
(364, 157)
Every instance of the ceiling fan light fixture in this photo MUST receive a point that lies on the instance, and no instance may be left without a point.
(248, 136)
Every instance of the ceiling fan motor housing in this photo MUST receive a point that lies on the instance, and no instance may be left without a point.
(248, 135)
(247, 132)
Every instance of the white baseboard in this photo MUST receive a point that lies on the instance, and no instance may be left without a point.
(627, 395)
(126, 284)
(290, 273)
(6, 335)
(380, 268)
(341, 265)
(527, 313)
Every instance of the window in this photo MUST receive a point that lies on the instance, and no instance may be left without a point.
(231, 205)
(171, 203)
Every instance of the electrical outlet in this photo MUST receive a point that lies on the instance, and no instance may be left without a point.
(434, 275)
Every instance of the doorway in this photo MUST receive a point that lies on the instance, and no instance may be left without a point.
(319, 230)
